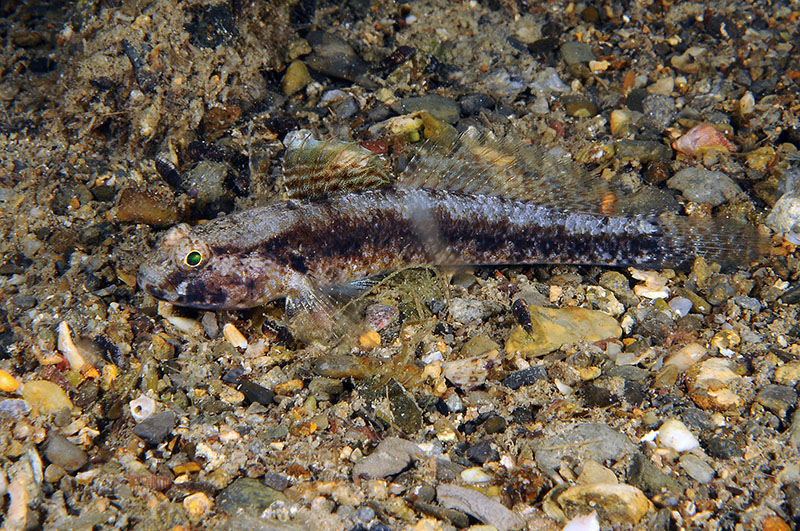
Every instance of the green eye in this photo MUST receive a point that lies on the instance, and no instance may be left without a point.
(193, 258)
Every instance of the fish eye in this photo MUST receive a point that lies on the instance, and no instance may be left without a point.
(193, 258)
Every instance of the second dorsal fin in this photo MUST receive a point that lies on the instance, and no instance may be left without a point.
(477, 162)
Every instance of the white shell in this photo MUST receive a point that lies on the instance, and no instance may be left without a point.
(142, 407)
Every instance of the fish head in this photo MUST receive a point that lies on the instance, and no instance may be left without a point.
(187, 269)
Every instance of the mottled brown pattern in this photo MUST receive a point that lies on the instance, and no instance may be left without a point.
(262, 254)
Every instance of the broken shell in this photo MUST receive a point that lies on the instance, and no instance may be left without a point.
(703, 137)
(142, 407)
(68, 348)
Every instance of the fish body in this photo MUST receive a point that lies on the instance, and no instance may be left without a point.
(287, 249)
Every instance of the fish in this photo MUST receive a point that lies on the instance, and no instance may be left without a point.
(480, 200)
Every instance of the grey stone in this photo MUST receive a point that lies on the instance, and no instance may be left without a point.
(440, 107)
(249, 495)
(474, 103)
(697, 469)
(575, 53)
(648, 477)
(585, 441)
(59, 451)
(392, 456)
(206, 183)
(659, 111)
(642, 150)
(155, 428)
(777, 398)
(528, 376)
(704, 186)
(479, 506)
(405, 412)
(336, 58)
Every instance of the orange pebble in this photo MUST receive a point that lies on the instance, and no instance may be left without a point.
(8, 383)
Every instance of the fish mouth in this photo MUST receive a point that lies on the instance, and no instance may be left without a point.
(157, 289)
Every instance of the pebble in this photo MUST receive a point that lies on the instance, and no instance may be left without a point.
(579, 106)
(674, 435)
(155, 428)
(296, 78)
(621, 123)
(594, 473)
(709, 382)
(681, 306)
(206, 184)
(617, 504)
(659, 111)
(467, 310)
(495, 424)
(197, 504)
(390, 457)
(523, 377)
(553, 327)
(777, 398)
(8, 384)
(14, 408)
(588, 522)
(328, 389)
(406, 414)
(234, 336)
(479, 506)
(45, 396)
(468, 372)
(335, 57)
(474, 475)
(255, 393)
(723, 447)
(788, 374)
(441, 108)
(702, 138)
(142, 408)
(704, 186)
(587, 441)
(648, 477)
(482, 452)
(642, 150)
(144, 207)
(472, 104)
(59, 451)
(248, 495)
(784, 218)
(575, 53)
(697, 469)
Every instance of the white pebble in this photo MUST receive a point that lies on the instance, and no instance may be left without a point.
(68, 348)
(680, 306)
(142, 407)
(233, 336)
(587, 522)
(184, 324)
(475, 474)
(674, 435)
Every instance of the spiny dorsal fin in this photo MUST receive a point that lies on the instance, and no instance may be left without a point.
(480, 163)
(313, 169)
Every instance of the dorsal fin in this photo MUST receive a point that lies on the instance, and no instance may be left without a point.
(477, 162)
(314, 169)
